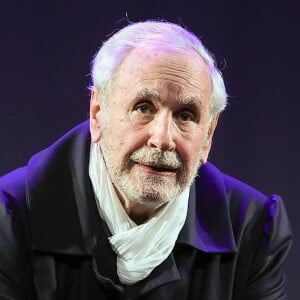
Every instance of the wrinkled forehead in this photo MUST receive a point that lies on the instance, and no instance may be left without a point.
(155, 70)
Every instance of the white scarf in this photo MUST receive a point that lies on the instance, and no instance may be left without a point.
(139, 248)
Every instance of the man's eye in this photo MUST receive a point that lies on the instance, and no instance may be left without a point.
(186, 116)
(144, 108)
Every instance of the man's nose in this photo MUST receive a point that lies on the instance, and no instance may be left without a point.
(162, 133)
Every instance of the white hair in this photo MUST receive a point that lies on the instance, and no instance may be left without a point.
(151, 35)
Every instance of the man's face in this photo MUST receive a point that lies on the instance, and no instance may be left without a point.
(157, 129)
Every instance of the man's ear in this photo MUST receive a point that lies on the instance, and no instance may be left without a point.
(95, 116)
(207, 146)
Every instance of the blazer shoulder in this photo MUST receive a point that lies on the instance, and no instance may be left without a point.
(13, 184)
(229, 186)
(241, 197)
(242, 189)
(248, 204)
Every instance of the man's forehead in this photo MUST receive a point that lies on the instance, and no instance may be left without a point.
(162, 76)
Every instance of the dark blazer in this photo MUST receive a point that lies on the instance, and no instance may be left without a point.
(53, 244)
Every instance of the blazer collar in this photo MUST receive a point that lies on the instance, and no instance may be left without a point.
(59, 174)
(208, 225)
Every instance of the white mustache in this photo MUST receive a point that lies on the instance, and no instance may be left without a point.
(154, 156)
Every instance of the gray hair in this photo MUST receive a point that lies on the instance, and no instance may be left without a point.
(151, 35)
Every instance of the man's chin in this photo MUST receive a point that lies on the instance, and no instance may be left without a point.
(150, 200)
(149, 189)
(153, 196)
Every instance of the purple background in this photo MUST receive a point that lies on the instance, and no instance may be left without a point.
(45, 53)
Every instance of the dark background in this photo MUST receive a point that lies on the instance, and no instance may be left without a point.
(45, 53)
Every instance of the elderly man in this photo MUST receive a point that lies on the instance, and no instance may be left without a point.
(115, 209)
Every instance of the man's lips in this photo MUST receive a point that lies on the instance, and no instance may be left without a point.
(157, 168)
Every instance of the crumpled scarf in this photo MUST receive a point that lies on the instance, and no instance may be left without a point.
(139, 248)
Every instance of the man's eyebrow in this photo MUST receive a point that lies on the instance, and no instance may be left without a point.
(152, 94)
(193, 101)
